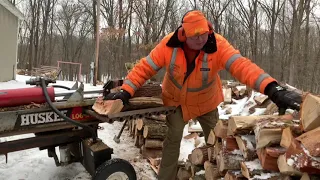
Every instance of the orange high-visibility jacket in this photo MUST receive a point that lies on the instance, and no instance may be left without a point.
(201, 92)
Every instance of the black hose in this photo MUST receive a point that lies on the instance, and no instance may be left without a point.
(60, 86)
(61, 115)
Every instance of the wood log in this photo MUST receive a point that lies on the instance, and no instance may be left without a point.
(307, 176)
(196, 169)
(228, 161)
(211, 156)
(250, 169)
(260, 99)
(198, 177)
(286, 137)
(234, 175)
(211, 138)
(144, 103)
(211, 171)
(269, 132)
(228, 96)
(298, 157)
(230, 143)
(199, 155)
(183, 174)
(269, 156)
(149, 90)
(147, 121)
(153, 143)
(310, 112)
(247, 146)
(150, 153)
(271, 109)
(245, 124)
(217, 149)
(141, 140)
(155, 131)
(285, 168)
(160, 117)
(310, 141)
(105, 107)
(221, 128)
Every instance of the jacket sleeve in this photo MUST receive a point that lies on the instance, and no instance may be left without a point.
(241, 67)
(146, 68)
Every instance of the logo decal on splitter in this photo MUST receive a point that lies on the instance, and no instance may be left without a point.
(40, 118)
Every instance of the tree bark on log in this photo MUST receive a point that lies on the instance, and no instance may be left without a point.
(269, 156)
(227, 161)
(149, 90)
(183, 174)
(251, 168)
(146, 121)
(230, 144)
(155, 131)
(153, 143)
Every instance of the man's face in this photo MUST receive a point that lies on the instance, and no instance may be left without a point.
(197, 42)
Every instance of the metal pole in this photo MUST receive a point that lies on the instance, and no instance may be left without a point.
(97, 44)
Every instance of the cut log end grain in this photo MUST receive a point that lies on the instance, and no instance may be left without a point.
(211, 171)
(211, 138)
(199, 156)
(253, 168)
(221, 128)
(228, 161)
(310, 112)
(310, 141)
(183, 174)
(267, 161)
(247, 146)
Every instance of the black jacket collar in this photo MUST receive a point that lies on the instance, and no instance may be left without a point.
(209, 47)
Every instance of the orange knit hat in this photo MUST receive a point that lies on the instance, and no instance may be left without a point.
(194, 23)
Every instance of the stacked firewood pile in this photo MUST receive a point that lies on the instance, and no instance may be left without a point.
(148, 134)
(261, 147)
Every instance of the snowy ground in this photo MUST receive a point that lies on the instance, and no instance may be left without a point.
(33, 164)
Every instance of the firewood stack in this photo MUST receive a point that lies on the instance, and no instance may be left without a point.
(261, 147)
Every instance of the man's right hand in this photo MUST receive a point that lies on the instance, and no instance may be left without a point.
(123, 95)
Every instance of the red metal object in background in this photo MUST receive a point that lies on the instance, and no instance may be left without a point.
(24, 96)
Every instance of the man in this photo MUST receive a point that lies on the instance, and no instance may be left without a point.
(193, 55)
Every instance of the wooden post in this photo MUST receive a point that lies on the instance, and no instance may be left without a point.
(96, 66)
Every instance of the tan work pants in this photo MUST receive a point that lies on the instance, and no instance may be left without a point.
(171, 145)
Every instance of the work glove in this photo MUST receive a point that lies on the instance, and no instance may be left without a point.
(282, 98)
(123, 95)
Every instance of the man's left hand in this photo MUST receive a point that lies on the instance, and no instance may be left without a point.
(282, 98)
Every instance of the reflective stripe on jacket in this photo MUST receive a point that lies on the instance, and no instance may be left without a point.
(201, 92)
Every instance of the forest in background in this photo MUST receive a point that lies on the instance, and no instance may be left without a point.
(281, 36)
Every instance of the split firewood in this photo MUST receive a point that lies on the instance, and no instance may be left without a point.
(234, 175)
(228, 96)
(221, 128)
(298, 157)
(216, 150)
(260, 99)
(269, 156)
(211, 171)
(150, 153)
(196, 170)
(228, 161)
(310, 141)
(247, 146)
(285, 168)
(199, 155)
(183, 174)
(271, 109)
(105, 107)
(253, 169)
(269, 132)
(155, 131)
(153, 143)
(198, 177)
(245, 124)
(286, 137)
(211, 138)
(230, 143)
(310, 112)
